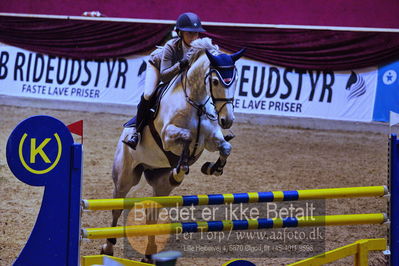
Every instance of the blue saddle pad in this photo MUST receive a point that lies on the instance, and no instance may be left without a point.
(130, 123)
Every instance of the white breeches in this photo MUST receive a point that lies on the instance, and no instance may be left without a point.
(151, 81)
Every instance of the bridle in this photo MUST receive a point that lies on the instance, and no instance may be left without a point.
(201, 107)
(225, 82)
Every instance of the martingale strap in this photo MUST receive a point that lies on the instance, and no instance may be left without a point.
(172, 158)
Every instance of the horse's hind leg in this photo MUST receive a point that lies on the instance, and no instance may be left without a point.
(124, 180)
(158, 179)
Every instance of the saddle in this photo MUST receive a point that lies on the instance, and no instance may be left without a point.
(155, 101)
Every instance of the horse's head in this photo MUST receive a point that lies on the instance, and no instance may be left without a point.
(222, 81)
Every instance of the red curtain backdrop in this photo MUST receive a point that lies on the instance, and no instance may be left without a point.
(296, 48)
(81, 38)
(310, 49)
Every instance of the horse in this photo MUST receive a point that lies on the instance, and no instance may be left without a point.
(195, 107)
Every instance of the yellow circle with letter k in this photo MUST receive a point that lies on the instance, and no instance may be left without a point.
(38, 150)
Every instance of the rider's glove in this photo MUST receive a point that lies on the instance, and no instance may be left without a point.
(183, 64)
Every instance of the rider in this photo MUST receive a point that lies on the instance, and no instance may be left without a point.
(165, 63)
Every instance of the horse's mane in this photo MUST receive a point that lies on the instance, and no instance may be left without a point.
(199, 46)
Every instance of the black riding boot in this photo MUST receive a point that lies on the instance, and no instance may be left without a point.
(141, 120)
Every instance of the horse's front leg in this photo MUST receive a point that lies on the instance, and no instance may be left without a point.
(182, 167)
(217, 142)
(175, 136)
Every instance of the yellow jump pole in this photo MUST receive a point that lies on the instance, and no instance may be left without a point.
(235, 198)
(227, 225)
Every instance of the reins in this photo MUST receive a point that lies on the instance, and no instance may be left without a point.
(201, 110)
(201, 107)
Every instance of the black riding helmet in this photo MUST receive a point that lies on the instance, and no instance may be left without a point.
(189, 22)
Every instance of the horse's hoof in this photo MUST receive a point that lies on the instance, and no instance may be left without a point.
(218, 172)
(105, 252)
(229, 136)
(207, 168)
(184, 168)
(147, 259)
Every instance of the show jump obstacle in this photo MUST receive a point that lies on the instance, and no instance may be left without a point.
(41, 152)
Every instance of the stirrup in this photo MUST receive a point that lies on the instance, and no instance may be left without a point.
(133, 141)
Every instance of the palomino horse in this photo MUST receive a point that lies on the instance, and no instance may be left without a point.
(191, 113)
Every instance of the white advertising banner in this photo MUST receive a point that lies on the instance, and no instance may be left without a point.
(29, 74)
(266, 89)
(261, 88)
